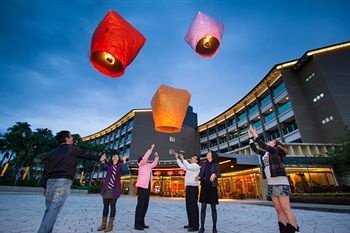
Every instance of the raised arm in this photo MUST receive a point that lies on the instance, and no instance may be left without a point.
(179, 162)
(146, 156)
(125, 166)
(80, 153)
(190, 166)
(155, 161)
(253, 135)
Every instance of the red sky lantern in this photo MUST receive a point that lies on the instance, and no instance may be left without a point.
(204, 35)
(170, 173)
(157, 173)
(114, 45)
(169, 107)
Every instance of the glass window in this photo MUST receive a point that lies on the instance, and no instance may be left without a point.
(270, 117)
(265, 100)
(257, 124)
(244, 130)
(253, 109)
(242, 116)
(285, 107)
(279, 89)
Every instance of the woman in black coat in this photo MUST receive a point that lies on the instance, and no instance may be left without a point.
(208, 176)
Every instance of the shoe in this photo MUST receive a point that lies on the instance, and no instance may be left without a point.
(145, 226)
(214, 230)
(291, 229)
(201, 230)
(103, 224)
(139, 228)
(187, 226)
(282, 227)
(110, 225)
(191, 229)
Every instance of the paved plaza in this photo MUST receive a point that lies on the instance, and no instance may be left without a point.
(22, 212)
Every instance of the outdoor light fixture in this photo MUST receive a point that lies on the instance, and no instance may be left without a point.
(204, 35)
(114, 45)
(169, 107)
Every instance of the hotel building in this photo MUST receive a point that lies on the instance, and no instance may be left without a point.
(304, 103)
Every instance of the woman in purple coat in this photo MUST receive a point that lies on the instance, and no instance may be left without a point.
(111, 188)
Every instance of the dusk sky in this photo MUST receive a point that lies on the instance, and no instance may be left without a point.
(47, 79)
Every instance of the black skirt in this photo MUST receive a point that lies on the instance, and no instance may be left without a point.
(209, 194)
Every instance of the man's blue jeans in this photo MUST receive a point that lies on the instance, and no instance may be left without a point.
(57, 191)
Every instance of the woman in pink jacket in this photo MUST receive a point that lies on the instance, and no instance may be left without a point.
(143, 185)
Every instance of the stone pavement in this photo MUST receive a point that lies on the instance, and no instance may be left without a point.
(22, 212)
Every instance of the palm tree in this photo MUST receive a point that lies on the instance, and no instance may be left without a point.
(19, 140)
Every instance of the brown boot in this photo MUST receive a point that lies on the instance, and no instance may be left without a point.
(103, 224)
(110, 225)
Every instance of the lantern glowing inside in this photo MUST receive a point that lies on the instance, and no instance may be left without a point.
(204, 35)
(114, 45)
(157, 173)
(170, 173)
(169, 107)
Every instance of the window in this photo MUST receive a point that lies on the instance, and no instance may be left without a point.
(327, 119)
(308, 78)
(285, 107)
(171, 151)
(290, 127)
(270, 117)
(317, 98)
(253, 109)
(242, 116)
(265, 100)
(279, 89)
(172, 139)
(257, 124)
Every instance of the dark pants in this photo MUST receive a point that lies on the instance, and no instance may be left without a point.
(142, 206)
(109, 202)
(192, 206)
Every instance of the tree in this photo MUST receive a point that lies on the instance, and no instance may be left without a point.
(340, 158)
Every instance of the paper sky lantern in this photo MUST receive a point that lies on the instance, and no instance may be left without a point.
(169, 107)
(204, 35)
(114, 45)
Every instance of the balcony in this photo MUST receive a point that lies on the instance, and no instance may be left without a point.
(271, 124)
(204, 151)
(222, 132)
(204, 139)
(280, 96)
(212, 136)
(223, 145)
(266, 107)
(292, 136)
(233, 142)
(242, 122)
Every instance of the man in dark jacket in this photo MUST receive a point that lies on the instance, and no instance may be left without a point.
(60, 167)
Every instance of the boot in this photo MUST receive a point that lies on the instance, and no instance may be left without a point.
(110, 225)
(214, 229)
(282, 227)
(103, 224)
(201, 230)
(291, 229)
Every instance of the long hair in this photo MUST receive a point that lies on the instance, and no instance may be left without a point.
(214, 156)
(280, 146)
(110, 162)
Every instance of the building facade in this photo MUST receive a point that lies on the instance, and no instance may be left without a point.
(304, 103)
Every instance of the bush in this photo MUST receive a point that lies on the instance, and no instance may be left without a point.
(95, 188)
(322, 198)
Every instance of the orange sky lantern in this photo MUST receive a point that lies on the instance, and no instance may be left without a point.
(114, 45)
(169, 107)
(204, 35)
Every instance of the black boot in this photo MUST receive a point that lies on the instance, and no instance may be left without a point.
(291, 229)
(201, 230)
(282, 227)
(214, 229)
